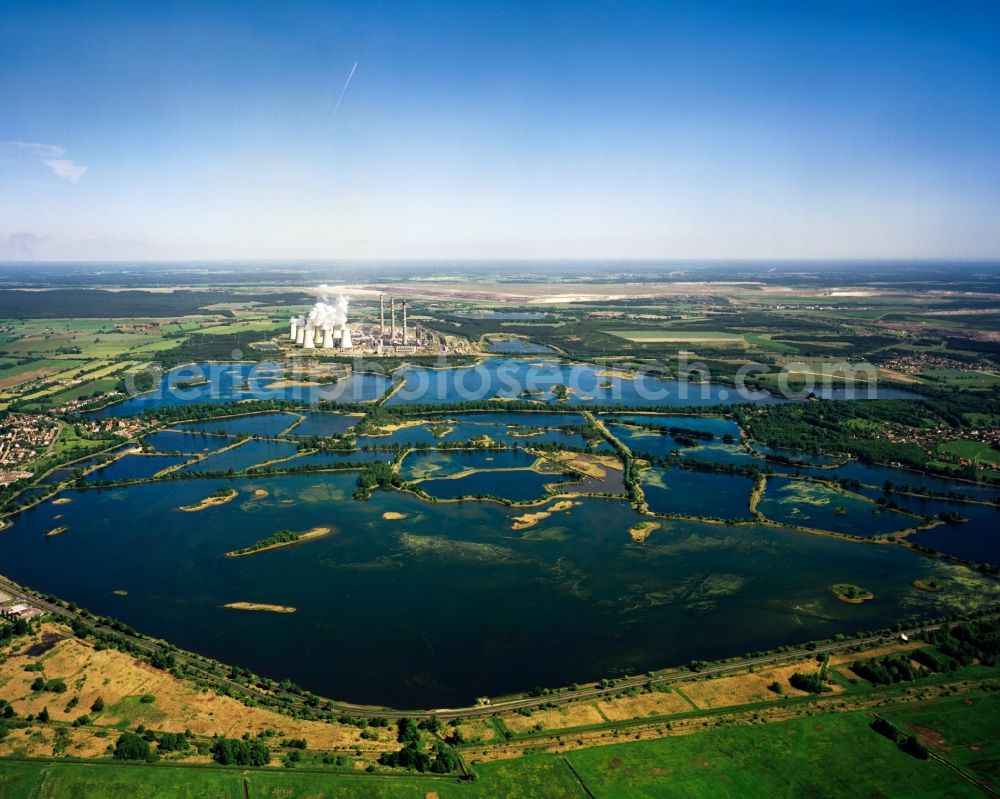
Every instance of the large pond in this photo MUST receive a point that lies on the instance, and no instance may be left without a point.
(227, 382)
(451, 602)
(514, 378)
(500, 377)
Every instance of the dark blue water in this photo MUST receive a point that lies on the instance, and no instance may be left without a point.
(198, 443)
(135, 467)
(321, 423)
(801, 503)
(337, 458)
(443, 463)
(265, 425)
(692, 493)
(450, 602)
(250, 453)
(520, 486)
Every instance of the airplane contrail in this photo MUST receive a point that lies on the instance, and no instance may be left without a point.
(343, 92)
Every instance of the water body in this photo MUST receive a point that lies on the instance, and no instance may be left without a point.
(509, 378)
(265, 425)
(450, 602)
(694, 493)
(977, 538)
(445, 463)
(718, 426)
(135, 467)
(518, 346)
(794, 456)
(226, 382)
(195, 443)
(322, 423)
(338, 458)
(807, 504)
(243, 456)
(520, 486)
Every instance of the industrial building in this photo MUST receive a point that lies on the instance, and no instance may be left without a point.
(325, 327)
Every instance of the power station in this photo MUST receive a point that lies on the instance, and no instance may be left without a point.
(325, 328)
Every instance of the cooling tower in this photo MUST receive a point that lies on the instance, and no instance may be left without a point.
(328, 338)
(309, 341)
(294, 323)
(300, 333)
(345, 339)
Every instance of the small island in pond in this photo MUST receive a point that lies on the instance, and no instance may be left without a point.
(931, 584)
(260, 606)
(220, 497)
(282, 538)
(193, 383)
(642, 530)
(57, 530)
(853, 594)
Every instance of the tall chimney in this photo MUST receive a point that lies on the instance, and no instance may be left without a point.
(404, 323)
(392, 319)
(381, 316)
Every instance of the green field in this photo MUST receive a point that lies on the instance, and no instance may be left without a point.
(16, 373)
(972, 450)
(526, 778)
(764, 342)
(963, 729)
(963, 378)
(829, 755)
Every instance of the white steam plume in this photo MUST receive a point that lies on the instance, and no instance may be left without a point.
(325, 314)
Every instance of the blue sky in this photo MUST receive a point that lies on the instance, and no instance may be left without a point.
(499, 130)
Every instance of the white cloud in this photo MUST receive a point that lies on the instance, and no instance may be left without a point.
(66, 169)
(53, 156)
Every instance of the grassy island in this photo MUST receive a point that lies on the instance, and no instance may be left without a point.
(182, 384)
(853, 594)
(642, 530)
(57, 530)
(220, 497)
(931, 585)
(282, 538)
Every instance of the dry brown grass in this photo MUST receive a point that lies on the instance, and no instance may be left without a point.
(743, 689)
(656, 703)
(574, 714)
(119, 679)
